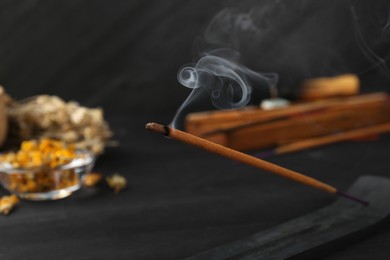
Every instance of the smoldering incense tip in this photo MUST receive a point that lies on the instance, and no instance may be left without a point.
(155, 127)
(150, 126)
(162, 129)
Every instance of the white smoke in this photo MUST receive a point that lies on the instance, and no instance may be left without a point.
(227, 83)
(293, 40)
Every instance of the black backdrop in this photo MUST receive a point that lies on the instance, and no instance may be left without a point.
(121, 55)
(124, 56)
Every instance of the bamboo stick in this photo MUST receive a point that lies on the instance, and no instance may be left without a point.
(247, 159)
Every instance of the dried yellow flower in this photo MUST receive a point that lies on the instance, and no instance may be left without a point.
(91, 179)
(116, 182)
(42, 157)
(7, 203)
(43, 153)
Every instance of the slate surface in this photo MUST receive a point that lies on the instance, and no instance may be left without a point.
(318, 233)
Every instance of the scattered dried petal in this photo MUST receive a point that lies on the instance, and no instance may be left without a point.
(91, 179)
(7, 203)
(116, 182)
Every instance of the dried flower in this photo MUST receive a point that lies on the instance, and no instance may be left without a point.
(116, 182)
(50, 117)
(7, 203)
(91, 179)
(43, 153)
(41, 157)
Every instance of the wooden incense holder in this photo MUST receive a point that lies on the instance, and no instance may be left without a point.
(318, 233)
(253, 128)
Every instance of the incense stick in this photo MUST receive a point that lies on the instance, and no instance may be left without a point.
(247, 159)
(324, 140)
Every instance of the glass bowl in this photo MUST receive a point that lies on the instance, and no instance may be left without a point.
(45, 183)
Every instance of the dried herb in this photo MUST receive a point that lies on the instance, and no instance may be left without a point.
(116, 182)
(50, 117)
(7, 203)
(92, 179)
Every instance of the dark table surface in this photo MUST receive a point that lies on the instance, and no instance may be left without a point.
(181, 201)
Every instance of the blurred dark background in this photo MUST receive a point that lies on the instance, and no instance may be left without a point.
(124, 55)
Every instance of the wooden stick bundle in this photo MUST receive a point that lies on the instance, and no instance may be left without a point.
(247, 159)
